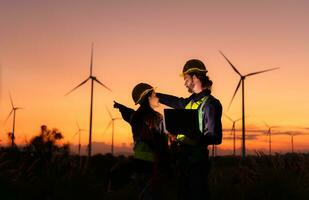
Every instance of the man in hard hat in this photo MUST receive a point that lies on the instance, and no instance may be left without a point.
(191, 154)
(150, 141)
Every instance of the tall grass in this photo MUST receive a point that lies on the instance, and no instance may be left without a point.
(62, 176)
(260, 177)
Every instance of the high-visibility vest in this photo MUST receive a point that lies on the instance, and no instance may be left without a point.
(142, 151)
(194, 105)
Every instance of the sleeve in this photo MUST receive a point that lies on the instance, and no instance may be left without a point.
(213, 126)
(126, 113)
(172, 101)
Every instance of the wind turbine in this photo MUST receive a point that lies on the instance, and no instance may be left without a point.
(242, 82)
(13, 111)
(79, 131)
(292, 134)
(111, 123)
(233, 132)
(92, 79)
(269, 135)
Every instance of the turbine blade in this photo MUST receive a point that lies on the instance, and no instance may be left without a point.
(82, 83)
(266, 124)
(267, 70)
(109, 113)
(8, 116)
(228, 117)
(109, 124)
(238, 119)
(231, 64)
(77, 125)
(102, 84)
(234, 94)
(75, 135)
(11, 101)
(91, 59)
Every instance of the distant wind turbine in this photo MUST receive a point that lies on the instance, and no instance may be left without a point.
(292, 134)
(242, 82)
(13, 111)
(92, 79)
(79, 131)
(233, 132)
(111, 123)
(269, 135)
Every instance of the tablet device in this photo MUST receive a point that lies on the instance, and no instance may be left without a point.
(181, 121)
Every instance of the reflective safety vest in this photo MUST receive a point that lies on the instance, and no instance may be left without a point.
(194, 105)
(142, 151)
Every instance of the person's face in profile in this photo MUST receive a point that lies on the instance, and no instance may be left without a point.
(188, 83)
(153, 100)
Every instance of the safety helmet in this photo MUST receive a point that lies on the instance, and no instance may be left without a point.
(193, 65)
(139, 92)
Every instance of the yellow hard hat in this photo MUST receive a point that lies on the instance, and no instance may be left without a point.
(193, 65)
(139, 92)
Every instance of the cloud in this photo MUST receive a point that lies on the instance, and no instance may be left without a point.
(289, 132)
(239, 137)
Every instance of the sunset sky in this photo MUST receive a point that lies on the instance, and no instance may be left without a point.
(45, 52)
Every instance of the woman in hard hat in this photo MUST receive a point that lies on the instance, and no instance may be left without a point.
(150, 140)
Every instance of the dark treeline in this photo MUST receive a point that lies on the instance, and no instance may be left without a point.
(45, 170)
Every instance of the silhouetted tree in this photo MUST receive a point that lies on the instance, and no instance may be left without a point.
(45, 144)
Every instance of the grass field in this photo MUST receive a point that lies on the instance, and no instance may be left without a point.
(24, 175)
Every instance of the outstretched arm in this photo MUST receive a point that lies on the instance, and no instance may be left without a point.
(126, 112)
(172, 101)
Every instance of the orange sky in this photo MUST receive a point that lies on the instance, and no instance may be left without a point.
(45, 52)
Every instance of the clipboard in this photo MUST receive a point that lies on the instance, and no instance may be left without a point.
(182, 121)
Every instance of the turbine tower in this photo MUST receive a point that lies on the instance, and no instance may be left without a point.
(242, 82)
(92, 79)
(13, 111)
(233, 132)
(111, 123)
(292, 134)
(292, 139)
(79, 131)
(269, 135)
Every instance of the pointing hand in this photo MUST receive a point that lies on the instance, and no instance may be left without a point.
(116, 104)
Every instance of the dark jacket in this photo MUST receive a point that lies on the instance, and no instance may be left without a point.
(212, 128)
(147, 126)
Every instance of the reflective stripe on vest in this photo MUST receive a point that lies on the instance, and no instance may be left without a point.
(142, 151)
(195, 105)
